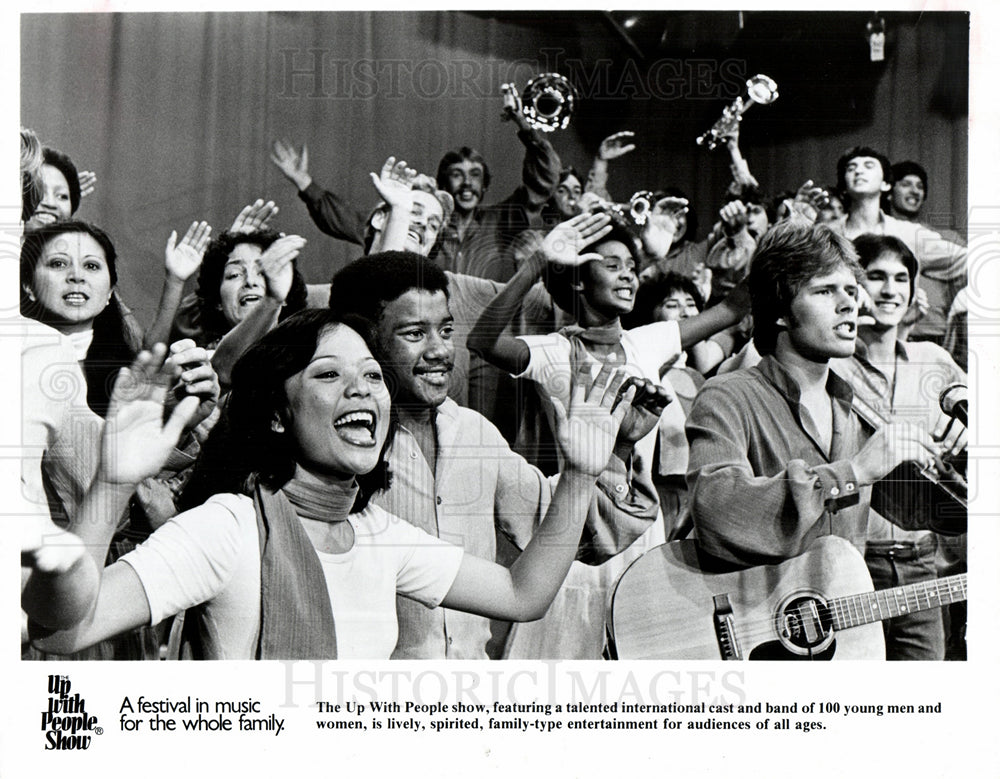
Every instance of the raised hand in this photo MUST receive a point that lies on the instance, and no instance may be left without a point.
(136, 441)
(662, 225)
(809, 200)
(734, 217)
(564, 242)
(587, 430)
(276, 265)
(88, 182)
(617, 145)
(395, 182)
(512, 107)
(255, 217)
(293, 164)
(184, 258)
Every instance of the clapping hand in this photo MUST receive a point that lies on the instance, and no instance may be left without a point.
(646, 408)
(184, 258)
(197, 379)
(734, 217)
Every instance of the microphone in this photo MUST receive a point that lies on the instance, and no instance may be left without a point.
(954, 401)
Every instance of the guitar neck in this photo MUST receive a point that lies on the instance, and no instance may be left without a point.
(867, 607)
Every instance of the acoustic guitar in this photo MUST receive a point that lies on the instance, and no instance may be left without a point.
(818, 606)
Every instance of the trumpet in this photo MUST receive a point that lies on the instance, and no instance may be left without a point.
(547, 102)
(761, 89)
(631, 215)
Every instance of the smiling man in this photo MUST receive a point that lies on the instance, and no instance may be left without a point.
(865, 176)
(778, 456)
(893, 377)
(453, 474)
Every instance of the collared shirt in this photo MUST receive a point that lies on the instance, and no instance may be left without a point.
(762, 486)
(942, 266)
(480, 487)
(938, 257)
(922, 370)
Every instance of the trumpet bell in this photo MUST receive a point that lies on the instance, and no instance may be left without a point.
(640, 205)
(548, 102)
(762, 89)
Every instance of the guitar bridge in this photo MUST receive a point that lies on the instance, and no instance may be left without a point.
(725, 628)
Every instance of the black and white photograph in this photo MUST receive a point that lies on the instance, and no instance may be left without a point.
(497, 377)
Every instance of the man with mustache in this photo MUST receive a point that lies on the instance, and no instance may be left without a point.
(453, 474)
(778, 456)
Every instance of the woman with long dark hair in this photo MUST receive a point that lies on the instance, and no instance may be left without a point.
(288, 559)
(68, 281)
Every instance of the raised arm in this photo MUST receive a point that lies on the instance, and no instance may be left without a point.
(724, 314)
(586, 433)
(561, 246)
(395, 186)
(276, 265)
(540, 171)
(181, 261)
(614, 146)
(742, 177)
(329, 212)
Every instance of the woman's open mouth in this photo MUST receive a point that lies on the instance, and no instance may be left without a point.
(357, 428)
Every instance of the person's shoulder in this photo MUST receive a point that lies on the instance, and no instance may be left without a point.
(240, 506)
(469, 420)
(742, 382)
(928, 352)
(654, 330)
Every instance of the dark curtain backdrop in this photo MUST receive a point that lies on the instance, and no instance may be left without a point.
(175, 111)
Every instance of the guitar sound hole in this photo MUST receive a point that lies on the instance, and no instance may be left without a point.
(804, 624)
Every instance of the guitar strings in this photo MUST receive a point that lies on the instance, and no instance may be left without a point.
(842, 606)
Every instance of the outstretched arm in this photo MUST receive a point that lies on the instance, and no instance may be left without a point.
(561, 246)
(727, 313)
(585, 432)
(182, 260)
